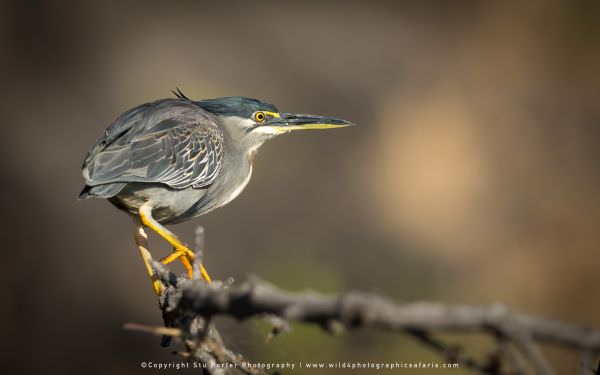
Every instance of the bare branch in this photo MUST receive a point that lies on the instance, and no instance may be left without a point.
(360, 309)
(189, 306)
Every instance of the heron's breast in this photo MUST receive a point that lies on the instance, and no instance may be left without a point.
(236, 190)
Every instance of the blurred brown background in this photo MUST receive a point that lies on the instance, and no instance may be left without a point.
(472, 178)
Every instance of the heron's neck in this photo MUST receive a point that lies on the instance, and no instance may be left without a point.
(246, 143)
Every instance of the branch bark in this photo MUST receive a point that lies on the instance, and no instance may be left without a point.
(189, 305)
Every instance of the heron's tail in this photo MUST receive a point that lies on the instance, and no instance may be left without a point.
(101, 191)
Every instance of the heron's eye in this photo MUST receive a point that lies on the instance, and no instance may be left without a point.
(260, 116)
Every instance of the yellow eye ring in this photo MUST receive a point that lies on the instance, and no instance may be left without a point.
(260, 116)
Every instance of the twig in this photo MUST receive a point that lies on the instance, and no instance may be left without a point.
(515, 361)
(159, 331)
(531, 351)
(198, 251)
(586, 363)
(452, 354)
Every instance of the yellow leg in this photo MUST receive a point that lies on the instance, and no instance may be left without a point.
(141, 240)
(188, 265)
(181, 252)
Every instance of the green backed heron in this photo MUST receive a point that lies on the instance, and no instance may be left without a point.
(174, 159)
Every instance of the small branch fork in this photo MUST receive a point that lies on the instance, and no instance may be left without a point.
(188, 307)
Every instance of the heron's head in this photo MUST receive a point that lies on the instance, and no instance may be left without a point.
(251, 121)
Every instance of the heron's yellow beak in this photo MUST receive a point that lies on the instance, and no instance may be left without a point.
(291, 121)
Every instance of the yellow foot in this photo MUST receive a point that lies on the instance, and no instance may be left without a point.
(186, 256)
(180, 250)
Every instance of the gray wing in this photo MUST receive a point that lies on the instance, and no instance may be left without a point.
(171, 141)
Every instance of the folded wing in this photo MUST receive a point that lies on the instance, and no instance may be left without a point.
(172, 142)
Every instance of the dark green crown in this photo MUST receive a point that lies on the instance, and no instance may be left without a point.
(230, 105)
(235, 106)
